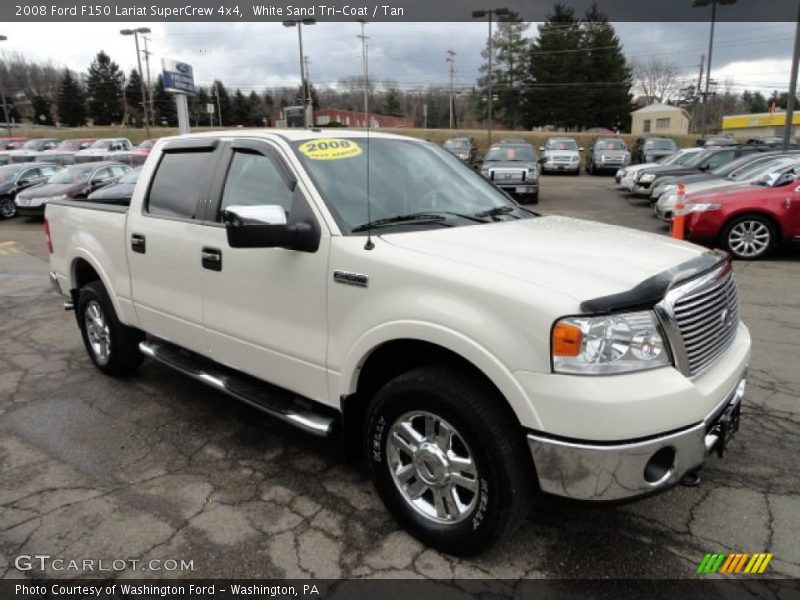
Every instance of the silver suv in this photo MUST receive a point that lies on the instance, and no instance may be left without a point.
(514, 168)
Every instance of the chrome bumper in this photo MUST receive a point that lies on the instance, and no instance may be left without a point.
(601, 472)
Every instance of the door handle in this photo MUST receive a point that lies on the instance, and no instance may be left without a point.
(212, 259)
(138, 243)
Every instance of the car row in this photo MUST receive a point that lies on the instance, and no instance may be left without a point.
(72, 151)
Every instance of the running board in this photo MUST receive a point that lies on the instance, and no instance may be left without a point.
(263, 396)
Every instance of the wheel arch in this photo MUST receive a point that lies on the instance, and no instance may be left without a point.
(754, 212)
(83, 269)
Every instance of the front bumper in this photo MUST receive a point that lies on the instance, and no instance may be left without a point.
(561, 166)
(618, 471)
(521, 187)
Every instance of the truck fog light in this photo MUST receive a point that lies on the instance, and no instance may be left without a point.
(660, 465)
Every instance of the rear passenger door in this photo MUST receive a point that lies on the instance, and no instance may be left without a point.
(265, 308)
(164, 240)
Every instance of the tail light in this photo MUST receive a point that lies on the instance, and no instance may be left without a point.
(47, 238)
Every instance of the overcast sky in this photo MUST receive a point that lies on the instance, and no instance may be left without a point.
(258, 55)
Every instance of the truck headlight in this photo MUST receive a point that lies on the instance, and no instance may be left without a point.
(603, 345)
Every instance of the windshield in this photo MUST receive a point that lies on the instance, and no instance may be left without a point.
(9, 173)
(405, 178)
(76, 174)
(510, 153)
(761, 167)
(609, 145)
(561, 145)
(32, 145)
(457, 145)
(659, 145)
(102, 144)
(131, 176)
(69, 145)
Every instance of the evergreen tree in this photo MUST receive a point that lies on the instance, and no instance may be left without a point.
(269, 108)
(133, 97)
(607, 93)
(104, 87)
(555, 72)
(71, 101)
(223, 103)
(391, 103)
(198, 107)
(42, 110)
(241, 109)
(164, 105)
(255, 110)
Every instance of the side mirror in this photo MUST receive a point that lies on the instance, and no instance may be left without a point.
(266, 227)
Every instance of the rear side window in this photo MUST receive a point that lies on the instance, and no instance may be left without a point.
(179, 184)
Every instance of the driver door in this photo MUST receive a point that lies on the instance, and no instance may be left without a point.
(265, 309)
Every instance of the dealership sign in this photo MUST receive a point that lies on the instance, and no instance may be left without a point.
(178, 77)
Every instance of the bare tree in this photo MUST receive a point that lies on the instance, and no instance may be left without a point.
(657, 80)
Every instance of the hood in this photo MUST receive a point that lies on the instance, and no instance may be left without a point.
(7, 187)
(567, 153)
(572, 257)
(509, 164)
(744, 191)
(117, 191)
(52, 189)
(717, 183)
(610, 152)
(689, 179)
(659, 153)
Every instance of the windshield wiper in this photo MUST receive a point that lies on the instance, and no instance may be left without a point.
(496, 211)
(401, 220)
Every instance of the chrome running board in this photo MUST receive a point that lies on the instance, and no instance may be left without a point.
(265, 397)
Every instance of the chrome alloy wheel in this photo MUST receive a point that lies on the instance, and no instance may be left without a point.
(432, 467)
(749, 238)
(7, 208)
(98, 332)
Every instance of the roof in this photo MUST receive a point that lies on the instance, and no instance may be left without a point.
(657, 107)
(294, 134)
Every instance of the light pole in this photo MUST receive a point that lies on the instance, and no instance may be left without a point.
(3, 93)
(303, 83)
(789, 125)
(135, 33)
(713, 3)
(364, 60)
(451, 60)
(479, 14)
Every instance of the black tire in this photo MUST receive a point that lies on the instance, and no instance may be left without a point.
(504, 479)
(123, 354)
(8, 208)
(764, 237)
(534, 198)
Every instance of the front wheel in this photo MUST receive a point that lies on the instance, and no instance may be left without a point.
(112, 346)
(749, 238)
(8, 208)
(449, 459)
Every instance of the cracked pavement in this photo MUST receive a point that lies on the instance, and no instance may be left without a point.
(157, 466)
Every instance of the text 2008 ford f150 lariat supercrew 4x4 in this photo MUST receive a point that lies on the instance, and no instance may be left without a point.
(477, 353)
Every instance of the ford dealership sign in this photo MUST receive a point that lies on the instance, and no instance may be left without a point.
(178, 77)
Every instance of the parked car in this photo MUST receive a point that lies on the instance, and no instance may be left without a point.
(652, 149)
(17, 177)
(139, 153)
(647, 179)
(464, 148)
(469, 348)
(625, 176)
(747, 174)
(75, 181)
(514, 168)
(561, 154)
(513, 140)
(770, 140)
(607, 154)
(100, 148)
(716, 140)
(64, 153)
(11, 143)
(119, 192)
(751, 221)
(30, 149)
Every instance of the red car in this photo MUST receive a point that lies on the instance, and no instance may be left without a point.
(11, 143)
(139, 153)
(748, 222)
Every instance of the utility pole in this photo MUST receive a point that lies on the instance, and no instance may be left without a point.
(307, 61)
(303, 82)
(479, 14)
(789, 126)
(363, 37)
(219, 108)
(3, 93)
(147, 54)
(135, 33)
(700, 76)
(713, 3)
(451, 59)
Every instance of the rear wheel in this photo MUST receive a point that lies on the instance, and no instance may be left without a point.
(112, 346)
(7, 207)
(447, 458)
(749, 237)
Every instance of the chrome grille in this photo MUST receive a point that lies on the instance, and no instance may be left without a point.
(706, 316)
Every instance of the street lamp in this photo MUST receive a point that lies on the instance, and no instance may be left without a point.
(3, 93)
(700, 4)
(303, 83)
(135, 33)
(479, 14)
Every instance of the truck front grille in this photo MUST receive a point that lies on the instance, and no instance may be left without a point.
(706, 317)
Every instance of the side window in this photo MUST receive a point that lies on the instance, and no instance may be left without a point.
(30, 174)
(180, 182)
(720, 158)
(48, 171)
(255, 180)
(118, 170)
(102, 174)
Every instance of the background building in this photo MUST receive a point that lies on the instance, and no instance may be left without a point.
(759, 124)
(660, 119)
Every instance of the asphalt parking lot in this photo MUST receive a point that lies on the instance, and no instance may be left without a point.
(157, 466)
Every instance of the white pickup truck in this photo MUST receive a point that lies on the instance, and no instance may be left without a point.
(377, 289)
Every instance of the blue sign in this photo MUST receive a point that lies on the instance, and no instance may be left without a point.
(178, 77)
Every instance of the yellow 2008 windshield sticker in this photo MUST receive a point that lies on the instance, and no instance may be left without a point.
(330, 149)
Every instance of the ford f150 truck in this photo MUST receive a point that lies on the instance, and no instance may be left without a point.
(375, 288)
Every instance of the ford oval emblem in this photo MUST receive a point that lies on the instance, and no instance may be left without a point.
(182, 68)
